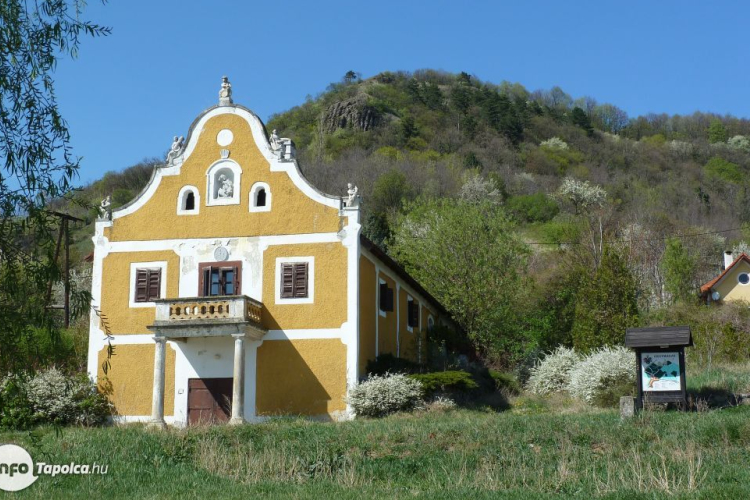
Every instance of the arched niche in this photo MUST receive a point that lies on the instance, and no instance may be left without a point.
(223, 183)
(260, 197)
(188, 201)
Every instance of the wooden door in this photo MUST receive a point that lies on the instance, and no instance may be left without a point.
(209, 400)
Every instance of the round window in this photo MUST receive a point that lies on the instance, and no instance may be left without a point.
(744, 278)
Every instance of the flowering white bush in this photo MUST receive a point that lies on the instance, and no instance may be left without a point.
(476, 190)
(381, 395)
(552, 373)
(600, 371)
(555, 143)
(56, 397)
(682, 148)
(739, 142)
(581, 194)
(52, 395)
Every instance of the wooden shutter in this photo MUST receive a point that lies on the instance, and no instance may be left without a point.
(413, 310)
(300, 280)
(237, 270)
(287, 281)
(154, 284)
(386, 297)
(141, 285)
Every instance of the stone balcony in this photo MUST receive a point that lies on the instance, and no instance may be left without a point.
(192, 317)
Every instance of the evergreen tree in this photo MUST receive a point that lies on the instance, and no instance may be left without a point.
(679, 270)
(581, 119)
(606, 305)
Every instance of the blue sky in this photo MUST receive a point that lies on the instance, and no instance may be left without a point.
(128, 94)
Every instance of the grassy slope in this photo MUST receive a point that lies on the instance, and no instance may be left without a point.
(456, 454)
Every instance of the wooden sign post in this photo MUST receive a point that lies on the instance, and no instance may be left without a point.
(660, 363)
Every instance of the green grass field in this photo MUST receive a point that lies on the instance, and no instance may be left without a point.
(435, 454)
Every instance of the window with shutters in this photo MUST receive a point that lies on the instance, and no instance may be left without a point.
(386, 297)
(412, 313)
(295, 280)
(219, 278)
(147, 283)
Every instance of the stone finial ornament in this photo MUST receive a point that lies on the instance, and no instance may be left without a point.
(174, 151)
(225, 93)
(105, 212)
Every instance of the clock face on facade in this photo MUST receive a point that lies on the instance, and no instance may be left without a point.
(221, 254)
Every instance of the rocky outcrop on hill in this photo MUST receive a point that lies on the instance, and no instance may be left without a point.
(351, 113)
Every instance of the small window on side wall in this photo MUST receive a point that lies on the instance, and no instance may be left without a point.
(386, 297)
(260, 197)
(412, 310)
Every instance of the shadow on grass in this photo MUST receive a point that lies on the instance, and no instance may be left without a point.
(711, 398)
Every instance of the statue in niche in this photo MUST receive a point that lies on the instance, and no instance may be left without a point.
(226, 187)
(175, 149)
(104, 209)
(225, 93)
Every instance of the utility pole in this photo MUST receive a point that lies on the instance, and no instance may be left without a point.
(64, 233)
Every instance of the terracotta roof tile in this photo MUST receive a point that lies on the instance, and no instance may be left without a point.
(743, 256)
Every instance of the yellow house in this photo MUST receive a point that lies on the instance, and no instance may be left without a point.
(232, 289)
(732, 284)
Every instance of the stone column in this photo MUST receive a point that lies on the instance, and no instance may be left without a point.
(238, 386)
(157, 403)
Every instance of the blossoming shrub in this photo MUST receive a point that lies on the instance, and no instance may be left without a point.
(382, 395)
(552, 373)
(603, 376)
(51, 397)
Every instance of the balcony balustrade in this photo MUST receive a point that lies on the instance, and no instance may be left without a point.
(208, 317)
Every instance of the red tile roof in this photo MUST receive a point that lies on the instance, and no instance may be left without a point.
(705, 288)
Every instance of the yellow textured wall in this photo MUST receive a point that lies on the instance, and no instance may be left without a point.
(730, 289)
(292, 212)
(329, 307)
(387, 324)
(303, 377)
(121, 318)
(130, 379)
(367, 313)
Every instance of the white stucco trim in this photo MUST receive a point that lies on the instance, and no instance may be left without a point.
(97, 336)
(378, 312)
(381, 281)
(253, 192)
(134, 419)
(211, 179)
(134, 266)
(310, 299)
(180, 199)
(158, 245)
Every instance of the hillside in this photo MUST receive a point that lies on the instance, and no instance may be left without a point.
(406, 136)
